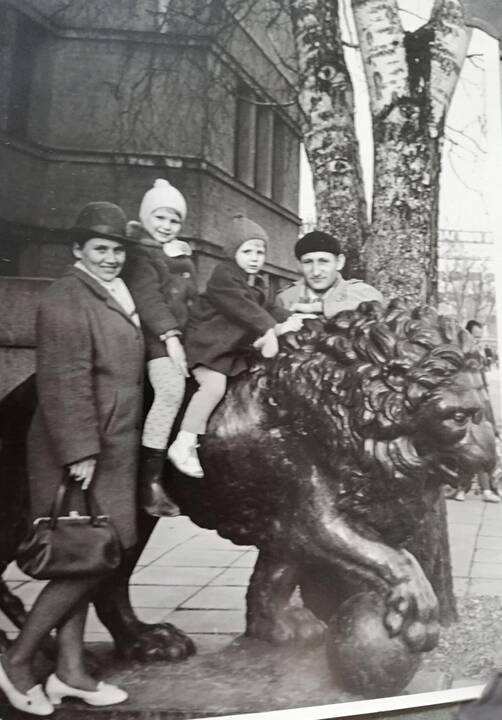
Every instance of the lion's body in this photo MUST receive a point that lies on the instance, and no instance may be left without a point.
(328, 458)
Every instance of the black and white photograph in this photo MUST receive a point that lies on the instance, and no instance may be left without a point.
(250, 404)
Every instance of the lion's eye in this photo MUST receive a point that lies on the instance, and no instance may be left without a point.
(459, 417)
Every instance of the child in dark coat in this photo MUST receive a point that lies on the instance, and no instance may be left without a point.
(161, 278)
(226, 319)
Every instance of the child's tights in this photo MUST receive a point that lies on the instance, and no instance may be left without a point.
(169, 387)
(212, 386)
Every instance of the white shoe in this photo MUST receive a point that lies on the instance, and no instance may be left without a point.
(490, 496)
(459, 496)
(185, 458)
(34, 701)
(104, 694)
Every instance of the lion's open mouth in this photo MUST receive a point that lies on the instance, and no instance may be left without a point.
(452, 473)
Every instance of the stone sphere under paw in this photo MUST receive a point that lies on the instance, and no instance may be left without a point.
(362, 657)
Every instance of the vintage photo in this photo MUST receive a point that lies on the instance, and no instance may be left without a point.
(250, 408)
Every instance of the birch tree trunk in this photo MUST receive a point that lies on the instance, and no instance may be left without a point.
(411, 78)
(326, 98)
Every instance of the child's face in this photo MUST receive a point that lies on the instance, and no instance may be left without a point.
(251, 256)
(164, 224)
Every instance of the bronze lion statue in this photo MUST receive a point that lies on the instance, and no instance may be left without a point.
(330, 459)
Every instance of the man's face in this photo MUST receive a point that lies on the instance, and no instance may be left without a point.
(321, 269)
(103, 258)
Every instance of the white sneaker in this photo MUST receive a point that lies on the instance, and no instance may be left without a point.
(185, 458)
(459, 496)
(491, 497)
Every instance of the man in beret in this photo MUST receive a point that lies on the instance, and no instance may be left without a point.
(322, 290)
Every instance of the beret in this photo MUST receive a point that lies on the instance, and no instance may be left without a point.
(317, 241)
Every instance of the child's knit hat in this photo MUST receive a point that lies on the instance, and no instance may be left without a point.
(161, 195)
(239, 229)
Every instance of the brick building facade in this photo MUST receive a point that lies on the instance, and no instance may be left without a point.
(98, 98)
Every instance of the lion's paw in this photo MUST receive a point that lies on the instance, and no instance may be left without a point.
(292, 625)
(160, 641)
(412, 610)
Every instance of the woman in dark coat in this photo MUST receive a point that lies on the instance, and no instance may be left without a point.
(90, 359)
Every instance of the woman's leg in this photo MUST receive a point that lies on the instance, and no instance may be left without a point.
(169, 387)
(53, 607)
(70, 666)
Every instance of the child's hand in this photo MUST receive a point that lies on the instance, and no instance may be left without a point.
(292, 324)
(267, 344)
(177, 354)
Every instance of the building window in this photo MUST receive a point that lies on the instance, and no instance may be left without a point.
(266, 150)
(245, 136)
(29, 37)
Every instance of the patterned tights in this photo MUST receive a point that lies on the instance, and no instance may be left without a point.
(169, 387)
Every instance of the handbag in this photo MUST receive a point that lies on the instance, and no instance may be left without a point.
(70, 546)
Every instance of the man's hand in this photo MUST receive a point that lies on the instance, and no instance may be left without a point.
(267, 344)
(293, 323)
(83, 471)
(177, 354)
(315, 306)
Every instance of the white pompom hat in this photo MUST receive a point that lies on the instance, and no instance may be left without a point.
(162, 195)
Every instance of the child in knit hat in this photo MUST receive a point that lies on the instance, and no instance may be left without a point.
(161, 278)
(226, 319)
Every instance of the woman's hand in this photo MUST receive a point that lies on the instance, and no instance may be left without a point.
(177, 354)
(83, 471)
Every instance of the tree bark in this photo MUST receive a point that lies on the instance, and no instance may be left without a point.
(411, 78)
(325, 95)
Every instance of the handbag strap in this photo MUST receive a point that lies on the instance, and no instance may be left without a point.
(91, 505)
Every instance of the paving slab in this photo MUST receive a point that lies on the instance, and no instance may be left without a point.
(487, 542)
(489, 555)
(223, 597)
(186, 557)
(486, 570)
(171, 575)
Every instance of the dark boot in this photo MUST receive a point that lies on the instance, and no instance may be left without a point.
(152, 496)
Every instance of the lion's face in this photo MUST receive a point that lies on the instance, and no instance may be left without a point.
(452, 433)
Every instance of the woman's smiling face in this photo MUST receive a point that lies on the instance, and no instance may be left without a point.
(103, 258)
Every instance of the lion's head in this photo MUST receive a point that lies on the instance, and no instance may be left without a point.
(391, 400)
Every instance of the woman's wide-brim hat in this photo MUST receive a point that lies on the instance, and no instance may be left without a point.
(102, 220)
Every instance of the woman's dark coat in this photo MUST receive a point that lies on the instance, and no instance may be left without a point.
(90, 363)
(163, 289)
(225, 320)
